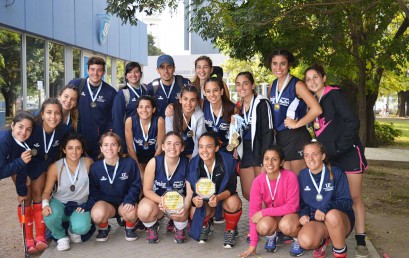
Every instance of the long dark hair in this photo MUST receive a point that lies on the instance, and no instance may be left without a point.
(21, 115)
(228, 106)
(148, 98)
(69, 137)
(177, 107)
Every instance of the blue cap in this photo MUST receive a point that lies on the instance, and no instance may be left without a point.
(165, 59)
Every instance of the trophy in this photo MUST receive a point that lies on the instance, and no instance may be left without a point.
(234, 132)
(172, 202)
(205, 188)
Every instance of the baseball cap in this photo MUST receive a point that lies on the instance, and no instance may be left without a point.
(165, 59)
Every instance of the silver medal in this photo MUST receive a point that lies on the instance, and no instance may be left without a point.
(318, 197)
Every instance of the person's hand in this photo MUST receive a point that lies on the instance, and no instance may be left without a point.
(46, 211)
(128, 207)
(319, 215)
(304, 220)
(198, 201)
(79, 210)
(251, 250)
(26, 156)
(257, 217)
(20, 199)
(290, 123)
(169, 110)
(214, 199)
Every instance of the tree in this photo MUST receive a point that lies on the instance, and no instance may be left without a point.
(152, 49)
(358, 39)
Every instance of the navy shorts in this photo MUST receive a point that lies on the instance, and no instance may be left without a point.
(292, 142)
(247, 160)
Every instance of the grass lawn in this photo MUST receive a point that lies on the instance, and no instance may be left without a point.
(401, 124)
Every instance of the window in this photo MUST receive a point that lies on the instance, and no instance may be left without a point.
(56, 73)
(35, 72)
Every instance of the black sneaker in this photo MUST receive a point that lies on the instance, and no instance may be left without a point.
(140, 226)
(204, 234)
(153, 234)
(130, 234)
(229, 239)
(283, 239)
(180, 236)
(102, 235)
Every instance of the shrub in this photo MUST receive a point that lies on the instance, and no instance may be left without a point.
(385, 133)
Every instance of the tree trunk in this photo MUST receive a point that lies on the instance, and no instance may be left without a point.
(370, 130)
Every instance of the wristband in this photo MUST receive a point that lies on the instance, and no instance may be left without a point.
(45, 203)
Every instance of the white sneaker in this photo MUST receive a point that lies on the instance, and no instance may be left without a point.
(63, 244)
(75, 238)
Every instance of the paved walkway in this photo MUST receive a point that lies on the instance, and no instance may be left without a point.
(398, 158)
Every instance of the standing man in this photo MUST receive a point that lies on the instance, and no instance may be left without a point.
(166, 89)
(94, 105)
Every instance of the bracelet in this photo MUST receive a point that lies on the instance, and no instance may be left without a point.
(45, 203)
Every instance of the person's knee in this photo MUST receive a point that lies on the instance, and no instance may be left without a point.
(145, 211)
(264, 228)
(81, 227)
(98, 214)
(287, 228)
(333, 218)
(232, 204)
(305, 241)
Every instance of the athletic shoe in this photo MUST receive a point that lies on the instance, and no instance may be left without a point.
(337, 255)
(296, 249)
(41, 244)
(361, 251)
(140, 226)
(103, 234)
(229, 239)
(211, 224)
(63, 244)
(204, 233)
(248, 238)
(283, 239)
(130, 234)
(170, 227)
(31, 247)
(180, 236)
(219, 220)
(270, 245)
(120, 221)
(321, 251)
(236, 231)
(75, 238)
(153, 234)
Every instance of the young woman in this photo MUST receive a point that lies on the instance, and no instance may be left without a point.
(325, 206)
(166, 172)
(70, 176)
(144, 132)
(115, 185)
(257, 131)
(290, 99)
(337, 129)
(219, 167)
(125, 103)
(187, 121)
(274, 202)
(203, 71)
(217, 109)
(68, 97)
(15, 154)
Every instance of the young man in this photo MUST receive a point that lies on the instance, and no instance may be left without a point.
(166, 89)
(94, 105)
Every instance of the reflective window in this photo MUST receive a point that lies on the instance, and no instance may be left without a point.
(108, 73)
(120, 64)
(10, 73)
(76, 53)
(56, 73)
(35, 72)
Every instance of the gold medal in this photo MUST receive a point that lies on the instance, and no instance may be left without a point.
(229, 147)
(33, 152)
(235, 143)
(277, 106)
(235, 135)
(316, 125)
(93, 104)
(190, 134)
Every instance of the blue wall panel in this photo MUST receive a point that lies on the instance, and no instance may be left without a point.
(8, 14)
(125, 42)
(114, 37)
(38, 17)
(98, 15)
(143, 40)
(84, 33)
(63, 20)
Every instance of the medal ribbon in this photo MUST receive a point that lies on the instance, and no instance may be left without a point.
(134, 91)
(111, 180)
(146, 138)
(187, 124)
(275, 189)
(319, 100)
(215, 123)
(93, 98)
(207, 171)
(321, 181)
(167, 169)
(69, 118)
(171, 87)
(22, 144)
(69, 173)
(47, 148)
(247, 119)
(278, 95)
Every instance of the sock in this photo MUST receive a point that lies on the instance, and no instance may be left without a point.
(340, 251)
(38, 221)
(273, 235)
(206, 221)
(232, 219)
(180, 224)
(149, 224)
(129, 224)
(28, 214)
(103, 225)
(360, 239)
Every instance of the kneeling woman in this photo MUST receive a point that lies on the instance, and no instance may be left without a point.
(326, 204)
(166, 172)
(71, 175)
(277, 189)
(115, 185)
(219, 167)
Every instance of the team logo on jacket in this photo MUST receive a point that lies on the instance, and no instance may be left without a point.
(224, 126)
(100, 99)
(178, 184)
(124, 176)
(82, 93)
(328, 187)
(160, 98)
(56, 143)
(134, 99)
(307, 188)
(103, 178)
(36, 145)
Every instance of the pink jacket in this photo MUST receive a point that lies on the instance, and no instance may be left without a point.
(287, 199)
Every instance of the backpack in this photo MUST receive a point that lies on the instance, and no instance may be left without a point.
(156, 82)
(127, 95)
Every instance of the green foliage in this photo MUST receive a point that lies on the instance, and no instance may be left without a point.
(385, 133)
(127, 10)
(152, 49)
